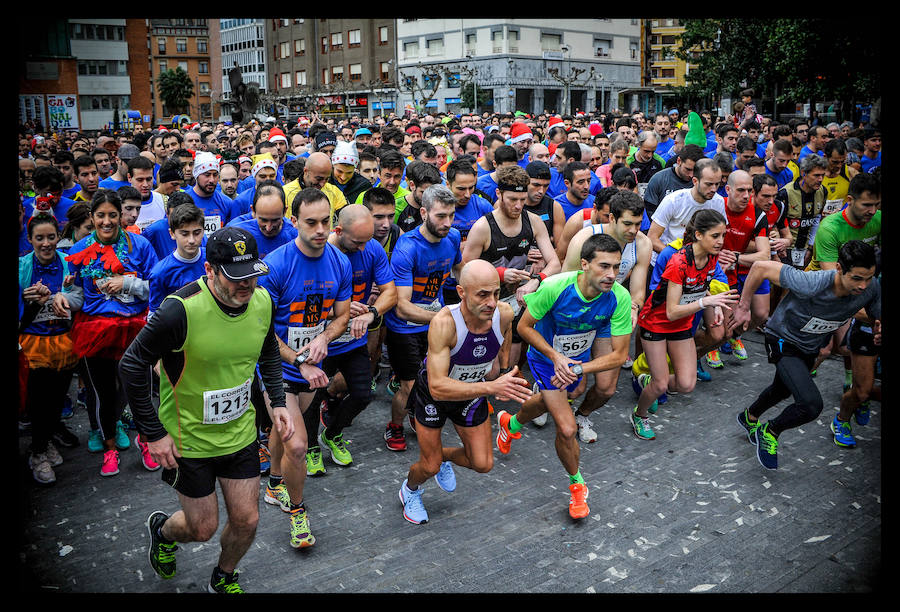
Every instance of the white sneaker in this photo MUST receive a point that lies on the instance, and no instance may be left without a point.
(585, 429)
(540, 421)
(40, 468)
(53, 455)
(628, 363)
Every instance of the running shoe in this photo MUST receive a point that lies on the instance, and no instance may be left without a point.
(122, 440)
(726, 348)
(127, 420)
(110, 465)
(315, 465)
(737, 348)
(412, 421)
(265, 459)
(714, 360)
(278, 496)
(413, 508)
(813, 373)
(324, 416)
(585, 429)
(643, 381)
(337, 447)
(146, 457)
(394, 437)
(223, 583)
(702, 375)
(67, 410)
(848, 380)
(641, 426)
(41, 469)
(95, 442)
(53, 455)
(301, 536)
(64, 436)
(393, 385)
(446, 477)
(766, 447)
(504, 435)
(578, 507)
(748, 425)
(374, 384)
(81, 400)
(628, 363)
(842, 435)
(161, 555)
(541, 420)
(862, 413)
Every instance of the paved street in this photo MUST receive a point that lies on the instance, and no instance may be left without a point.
(691, 511)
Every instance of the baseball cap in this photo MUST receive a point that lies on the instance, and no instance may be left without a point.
(127, 151)
(235, 251)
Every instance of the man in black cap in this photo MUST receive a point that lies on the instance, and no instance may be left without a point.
(326, 143)
(206, 426)
(119, 178)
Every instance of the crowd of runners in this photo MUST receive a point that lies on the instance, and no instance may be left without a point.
(227, 298)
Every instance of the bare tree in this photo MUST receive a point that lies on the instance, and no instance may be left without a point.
(424, 92)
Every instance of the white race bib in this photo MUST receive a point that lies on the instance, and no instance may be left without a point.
(690, 298)
(211, 223)
(435, 306)
(145, 223)
(513, 303)
(46, 312)
(224, 405)
(347, 336)
(298, 337)
(798, 257)
(820, 326)
(470, 373)
(572, 345)
(642, 187)
(832, 206)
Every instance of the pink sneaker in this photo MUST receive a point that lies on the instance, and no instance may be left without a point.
(146, 457)
(110, 463)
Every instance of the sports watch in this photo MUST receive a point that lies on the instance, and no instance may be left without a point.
(577, 370)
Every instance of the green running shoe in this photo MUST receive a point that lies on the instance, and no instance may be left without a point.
(224, 583)
(315, 466)
(161, 555)
(641, 426)
(301, 536)
(278, 496)
(338, 448)
(748, 425)
(766, 448)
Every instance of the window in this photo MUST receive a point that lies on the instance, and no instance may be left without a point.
(163, 65)
(353, 38)
(668, 73)
(325, 79)
(668, 39)
(355, 72)
(497, 41)
(601, 47)
(551, 42)
(204, 88)
(385, 71)
(435, 46)
(633, 48)
(300, 46)
(161, 45)
(300, 78)
(183, 66)
(337, 40)
(77, 31)
(471, 39)
(285, 23)
(202, 45)
(298, 21)
(453, 80)
(383, 35)
(205, 112)
(411, 49)
(181, 45)
(203, 67)
(337, 73)
(513, 41)
(285, 50)
(285, 79)
(324, 44)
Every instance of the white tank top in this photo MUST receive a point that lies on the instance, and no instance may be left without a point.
(629, 255)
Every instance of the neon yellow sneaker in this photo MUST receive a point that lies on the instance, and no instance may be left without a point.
(315, 466)
(301, 536)
(278, 496)
(737, 348)
(714, 359)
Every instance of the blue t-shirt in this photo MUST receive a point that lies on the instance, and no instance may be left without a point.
(868, 163)
(111, 183)
(245, 183)
(264, 243)
(45, 323)
(244, 200)
(71, 191)
(660, 266)
(370, 264)
(464, 219)
(663, 148)
(782, 178)
(423, 265)
(157, 234)
(304, 290)
(171, 273)
(569, 208)
(488, 186)
(807, 151)
(24, 246)
(138, 262)
(217, 209)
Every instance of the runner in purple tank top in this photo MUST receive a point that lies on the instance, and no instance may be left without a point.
(468, 352)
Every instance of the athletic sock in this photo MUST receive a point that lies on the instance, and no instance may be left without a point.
(274, 481)
(576, 478)
(297, 507)
(514, 425)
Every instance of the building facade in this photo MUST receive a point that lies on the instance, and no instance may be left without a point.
(181, 43)
(242, 44)
(663, 71)
(530, 65)
(340, 66)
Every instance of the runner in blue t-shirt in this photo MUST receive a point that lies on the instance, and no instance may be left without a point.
(268, 224)
(183, 265)
(217, 208)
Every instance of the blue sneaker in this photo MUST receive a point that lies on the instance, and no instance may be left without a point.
(122, 440)
(95, 442)
(766, 447)
(702, 374)
(643, 381)
(748, 425)
(127, 420)
(446, 477)
(413, 509)
(67, 410)
(726, 348)
(635, 385)
(842, 435)
(862, 413)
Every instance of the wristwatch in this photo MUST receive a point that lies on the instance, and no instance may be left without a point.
(374, 311)
(577, 370)
(300, 360)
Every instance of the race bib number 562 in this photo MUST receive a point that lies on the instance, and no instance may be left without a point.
(572, 345)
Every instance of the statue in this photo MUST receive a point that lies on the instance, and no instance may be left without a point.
(244, 96)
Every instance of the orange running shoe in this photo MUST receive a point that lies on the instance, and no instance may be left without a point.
(504, 435)
(578, 507)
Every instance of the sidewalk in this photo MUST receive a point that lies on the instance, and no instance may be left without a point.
(691, 511)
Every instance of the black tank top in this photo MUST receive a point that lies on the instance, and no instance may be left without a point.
(544, 210)
(509, 251)
(410, 218)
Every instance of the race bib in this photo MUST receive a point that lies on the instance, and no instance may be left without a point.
(798, 257)
(347, 336)
(690, 298)
(223, 405)
(46, 312)
(832, 206)
(513, 303)
(642, 187)
(820, 326)
(145, 223)
(298, 337)
(211, 223)
(572, 345)
(434, 306)
(470, 373)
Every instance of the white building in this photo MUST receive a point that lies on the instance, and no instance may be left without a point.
(513, 59)
(243, 43)
(103, 72)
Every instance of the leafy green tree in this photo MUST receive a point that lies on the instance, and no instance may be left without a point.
(176, 89)
(467, 95)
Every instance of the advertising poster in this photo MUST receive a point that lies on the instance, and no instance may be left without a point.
(63, 111)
